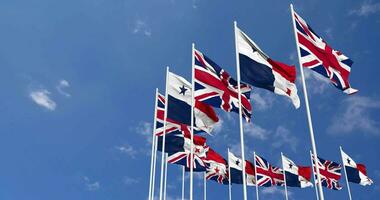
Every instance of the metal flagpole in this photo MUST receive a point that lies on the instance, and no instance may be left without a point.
(229, 175)
(315, 183)
(345, 173)
(183, 182)
(166, 174)
(192, 122)
(153, 146)
(256, 183)
(240, 114)
(286, 189)
(314, 148)
(164, 136)
(154, 167)
(204, 187)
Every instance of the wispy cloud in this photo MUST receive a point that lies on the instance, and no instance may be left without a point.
(274, 191)
(91, 186)
(262, 100)
(141, 27)
(256, 131)
(355, 114)
(316, 83)
(283, 137)
(41, 97)
(145, 129)
(366, 8)
(63, 84)
(127, 149)
(130, 181)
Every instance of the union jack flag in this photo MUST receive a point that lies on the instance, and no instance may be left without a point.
(214, 86)
(317, 55)
(268, 175)
(216, 167)
(330, 173)
(183, 157)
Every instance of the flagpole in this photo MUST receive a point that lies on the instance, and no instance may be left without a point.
(229, 175)
(183, 182)
(314, 148)
(154, 167)
(315, 183)
(166, 174)
(345, 173)
(257, 185)
(240, 115)
(164, 135)
(192, 121)
(153, 146)
(286, 188)
(204, 187)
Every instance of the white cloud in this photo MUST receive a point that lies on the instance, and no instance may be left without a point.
(355, 114)
(91, 186)
(328, 33)
(283, 137)
(145, 129)
(41, 98)
(130, 180)
(366, 8)
(61, 86)
(275, 190)
(127, 149)
(315, 82)
(218, 127)
(141, 27)
(256, 131)
(262, 100)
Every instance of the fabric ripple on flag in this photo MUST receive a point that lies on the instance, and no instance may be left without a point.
(216, 167)
(268, 175)
(330, 173)
(296, 176)
(356, 173)
(179, 105)
(236, 170)
(259, 70)
(214, 86)
(183, 155)
(317, 55)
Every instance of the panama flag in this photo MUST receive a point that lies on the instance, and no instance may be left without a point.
(317, 55)
(259, 70)
(236, 170)
(214, 86)
(296, 176)
(356, 173)
(179, 105)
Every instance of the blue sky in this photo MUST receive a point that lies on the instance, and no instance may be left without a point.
(78, 80)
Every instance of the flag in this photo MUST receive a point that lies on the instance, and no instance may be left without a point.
(174, 142)
(216, 167)
(214, 86)
(268, 175)
(183, 156)
(317, 55)
(179, 105)
(329, 172)
(257, 69)
(356, 173)
(296, 176)
(236, 170)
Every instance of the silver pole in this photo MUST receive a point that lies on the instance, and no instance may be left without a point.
(310, 123)
(192, 123)
(229, 175)
(153, 146)
(183, 182)
(345, 173)
(286, 189)
(256, 183)
(315, 183)
(166, 174)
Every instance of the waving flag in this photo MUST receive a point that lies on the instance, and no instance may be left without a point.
(330, 173)
(257, 69)
(268, 175)
(216, 167)
(236, 170)
(317, 55)
(215, 87)
(174, 142)
(179, 105)
(356, 173)
(296, 176)
(183, 157)
(171, 125)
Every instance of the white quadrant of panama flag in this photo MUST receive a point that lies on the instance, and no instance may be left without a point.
(296, 176)
(356, 173)
(179, 105)
(236, 170)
